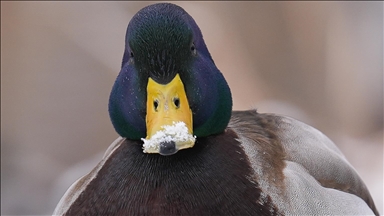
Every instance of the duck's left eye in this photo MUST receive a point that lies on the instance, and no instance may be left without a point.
(193, 49)
(131, 54)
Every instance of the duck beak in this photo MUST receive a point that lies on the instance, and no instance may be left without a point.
(168, 119)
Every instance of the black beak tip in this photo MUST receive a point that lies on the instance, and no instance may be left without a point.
(168, 148)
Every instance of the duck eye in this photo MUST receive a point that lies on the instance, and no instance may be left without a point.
(193, 49)
(156, 104)
(130, 57)
(176, 101)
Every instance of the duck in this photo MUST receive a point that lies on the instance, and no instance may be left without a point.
(182, 150)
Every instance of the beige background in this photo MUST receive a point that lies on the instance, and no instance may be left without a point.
(320, 62)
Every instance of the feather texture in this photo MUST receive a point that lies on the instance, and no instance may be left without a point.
(263, 164)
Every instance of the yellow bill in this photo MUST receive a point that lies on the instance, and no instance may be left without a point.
(169, 118)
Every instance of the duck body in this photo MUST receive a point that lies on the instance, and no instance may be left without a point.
(222, 162)
(269, 165)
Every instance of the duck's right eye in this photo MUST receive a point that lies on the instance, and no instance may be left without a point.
(130, 57)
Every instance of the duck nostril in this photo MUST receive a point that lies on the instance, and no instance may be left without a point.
(176, 101)
(156, 104)
(167, 148)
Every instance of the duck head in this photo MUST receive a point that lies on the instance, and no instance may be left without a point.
(169, 89)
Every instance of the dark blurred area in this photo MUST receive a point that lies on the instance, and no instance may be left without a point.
(319, 62)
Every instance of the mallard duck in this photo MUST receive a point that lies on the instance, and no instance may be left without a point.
(183, 151)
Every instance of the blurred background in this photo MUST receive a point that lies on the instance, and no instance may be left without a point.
(319, 62)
